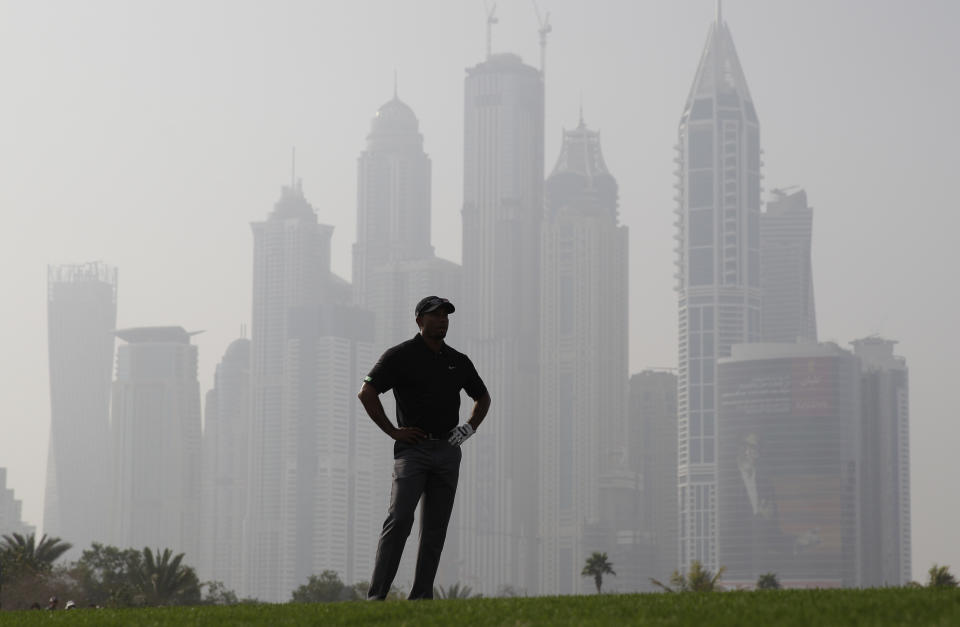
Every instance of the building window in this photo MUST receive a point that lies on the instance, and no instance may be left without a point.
(702, 109)
(701, 188)
(701, 227)
(701, 266)
(701, 148)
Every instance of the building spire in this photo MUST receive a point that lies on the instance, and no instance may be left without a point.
(719, 12)
(293, 168)
(394, 83)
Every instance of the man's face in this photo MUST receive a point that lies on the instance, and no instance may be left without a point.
(433, 324)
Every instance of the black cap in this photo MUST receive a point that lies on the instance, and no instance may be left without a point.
(431, 303)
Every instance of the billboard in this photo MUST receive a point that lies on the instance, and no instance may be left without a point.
(786, 469)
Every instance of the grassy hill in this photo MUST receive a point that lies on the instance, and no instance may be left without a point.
(890, 606)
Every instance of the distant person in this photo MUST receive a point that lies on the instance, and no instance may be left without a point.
(426, 377)
(52, 603)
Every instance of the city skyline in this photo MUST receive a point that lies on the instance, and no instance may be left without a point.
(853, 324)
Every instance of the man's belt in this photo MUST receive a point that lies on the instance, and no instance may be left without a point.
(439, 436)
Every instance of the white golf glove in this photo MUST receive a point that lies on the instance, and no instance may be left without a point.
(459, 435)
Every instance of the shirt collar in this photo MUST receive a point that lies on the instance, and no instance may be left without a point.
(423, 343)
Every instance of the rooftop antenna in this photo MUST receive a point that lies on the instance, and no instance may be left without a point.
(545, 29)
(719, 12)
(394, 83)
(491, 20)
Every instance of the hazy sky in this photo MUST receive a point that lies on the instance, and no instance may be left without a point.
(150, 134)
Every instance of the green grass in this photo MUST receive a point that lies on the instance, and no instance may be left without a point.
(890, 606)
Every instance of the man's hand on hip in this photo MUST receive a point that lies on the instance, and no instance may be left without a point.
(459, 435)
(409, 435)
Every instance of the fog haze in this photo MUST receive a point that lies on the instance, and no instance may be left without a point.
(149, 135)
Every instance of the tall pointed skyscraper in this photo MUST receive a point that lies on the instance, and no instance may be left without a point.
(496, 517)
(583, 356)
(81, 317)
(718, 180)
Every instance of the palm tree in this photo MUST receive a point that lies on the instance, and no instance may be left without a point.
(768, 581)
(163, 580)
(941, 577)
(597, 566)
(699, 579)
(23, 553)
(455, 591)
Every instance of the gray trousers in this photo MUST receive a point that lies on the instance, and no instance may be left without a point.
(429, 470)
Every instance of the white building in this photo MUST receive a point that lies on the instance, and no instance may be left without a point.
(652, 451)
(226, 427)
(291, 268)
(718, 211)
(81, 317)
(394, 265)
(583, 357)
(495, 521)
(786, 271)
(332, 507)
(885, 478)
(155, 419)
(11, 510)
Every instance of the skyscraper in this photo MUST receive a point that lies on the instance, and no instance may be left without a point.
(583, 355)
(786, 271)
(10, 510)
(226, 428)
(885, 466)
(718, 183)
(81, 317)
(291, 268)
(393, 262)
(495, 522)
(652, 451)
(333, 505)
(156, 435)
(788, 464)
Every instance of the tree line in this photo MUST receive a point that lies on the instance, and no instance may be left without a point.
(104, 576)
(108, 576)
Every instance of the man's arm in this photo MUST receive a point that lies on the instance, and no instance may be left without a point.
(370, 399)
(480, 408)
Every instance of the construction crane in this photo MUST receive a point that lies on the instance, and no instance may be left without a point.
(491, 20)
(781, 192)
(545, 29)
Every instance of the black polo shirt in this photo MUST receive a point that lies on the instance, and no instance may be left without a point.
(426, 384)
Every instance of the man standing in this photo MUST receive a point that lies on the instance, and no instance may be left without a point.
(426, 377)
